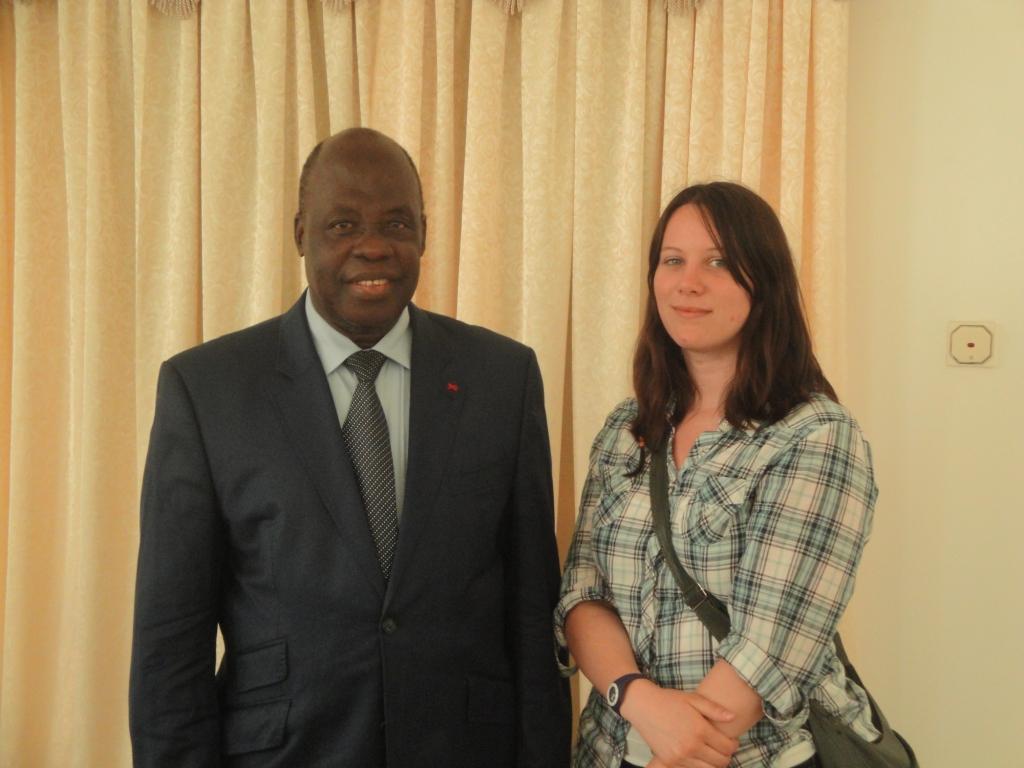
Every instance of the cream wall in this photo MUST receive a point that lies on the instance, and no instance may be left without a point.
(936, 209)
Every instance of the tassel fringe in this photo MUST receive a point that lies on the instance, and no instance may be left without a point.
(183, 9)
(681, 6)
(511, 7)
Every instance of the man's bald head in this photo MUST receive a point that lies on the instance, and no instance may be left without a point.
(354, 137)
(361, 231)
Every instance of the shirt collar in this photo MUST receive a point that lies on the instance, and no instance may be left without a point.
(723, 426)
(334, 347)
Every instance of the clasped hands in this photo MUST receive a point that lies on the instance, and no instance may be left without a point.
(679, 726)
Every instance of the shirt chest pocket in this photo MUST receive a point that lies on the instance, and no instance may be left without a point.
(715, 511)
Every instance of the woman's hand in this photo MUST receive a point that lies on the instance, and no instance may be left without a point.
(679, 726)
(684, 729)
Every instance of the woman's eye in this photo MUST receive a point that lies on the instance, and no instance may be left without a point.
(717, 262)
(671, 261)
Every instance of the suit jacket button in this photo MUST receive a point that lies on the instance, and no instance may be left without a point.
(389, 626)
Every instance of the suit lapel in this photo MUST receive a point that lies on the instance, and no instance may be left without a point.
(436, 400)
(310, 418)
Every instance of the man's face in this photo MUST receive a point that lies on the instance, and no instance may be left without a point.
(361, 233)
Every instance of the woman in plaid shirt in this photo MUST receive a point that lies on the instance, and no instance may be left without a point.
(771, 506)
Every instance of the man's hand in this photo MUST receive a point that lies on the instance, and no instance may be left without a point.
(679, 726)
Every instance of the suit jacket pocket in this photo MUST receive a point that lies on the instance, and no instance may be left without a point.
(250, 729)
(490, 700)
(259, 667)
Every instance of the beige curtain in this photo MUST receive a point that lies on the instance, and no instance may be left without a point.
(149, 172)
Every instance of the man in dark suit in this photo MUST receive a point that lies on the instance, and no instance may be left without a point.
(418, 636)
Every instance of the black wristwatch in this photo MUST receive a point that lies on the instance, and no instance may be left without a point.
(617, 690)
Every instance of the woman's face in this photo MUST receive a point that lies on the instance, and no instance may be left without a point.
(700, 304)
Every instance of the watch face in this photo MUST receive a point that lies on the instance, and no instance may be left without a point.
(613, 694)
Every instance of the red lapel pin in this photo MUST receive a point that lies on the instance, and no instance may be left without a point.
(452, 387)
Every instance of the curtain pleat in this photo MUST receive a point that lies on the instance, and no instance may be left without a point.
(608, 266)
(39, 268)
(490, 262)
(147, 194)
(168, 236)
(6, 299)
(34, 608)
(546, 86)
(73, 521)
(823, 266)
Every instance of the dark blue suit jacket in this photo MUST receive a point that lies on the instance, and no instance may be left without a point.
(252, 520)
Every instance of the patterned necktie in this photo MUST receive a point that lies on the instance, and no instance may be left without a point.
(366, 435)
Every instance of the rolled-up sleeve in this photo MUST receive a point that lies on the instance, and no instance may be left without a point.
(809, 521)
(582, 580)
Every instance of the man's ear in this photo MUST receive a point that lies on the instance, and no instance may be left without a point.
(299, 231)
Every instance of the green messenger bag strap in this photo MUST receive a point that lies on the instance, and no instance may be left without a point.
(836, 743)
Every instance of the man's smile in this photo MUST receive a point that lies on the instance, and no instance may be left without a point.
(371, 287)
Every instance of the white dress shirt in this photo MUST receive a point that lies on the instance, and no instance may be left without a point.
(392, 383)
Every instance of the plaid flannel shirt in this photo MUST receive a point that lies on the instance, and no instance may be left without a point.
(771, 521)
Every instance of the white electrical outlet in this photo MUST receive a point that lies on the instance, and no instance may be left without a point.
(970, 343)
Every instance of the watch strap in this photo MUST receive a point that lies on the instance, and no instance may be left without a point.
(617, 690)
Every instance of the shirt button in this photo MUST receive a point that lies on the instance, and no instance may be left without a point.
(389, 626)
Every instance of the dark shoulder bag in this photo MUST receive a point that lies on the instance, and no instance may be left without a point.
(836, 743)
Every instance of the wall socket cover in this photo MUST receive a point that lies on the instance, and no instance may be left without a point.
(970, 343)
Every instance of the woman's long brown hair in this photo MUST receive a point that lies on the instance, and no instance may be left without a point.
(776, 368)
